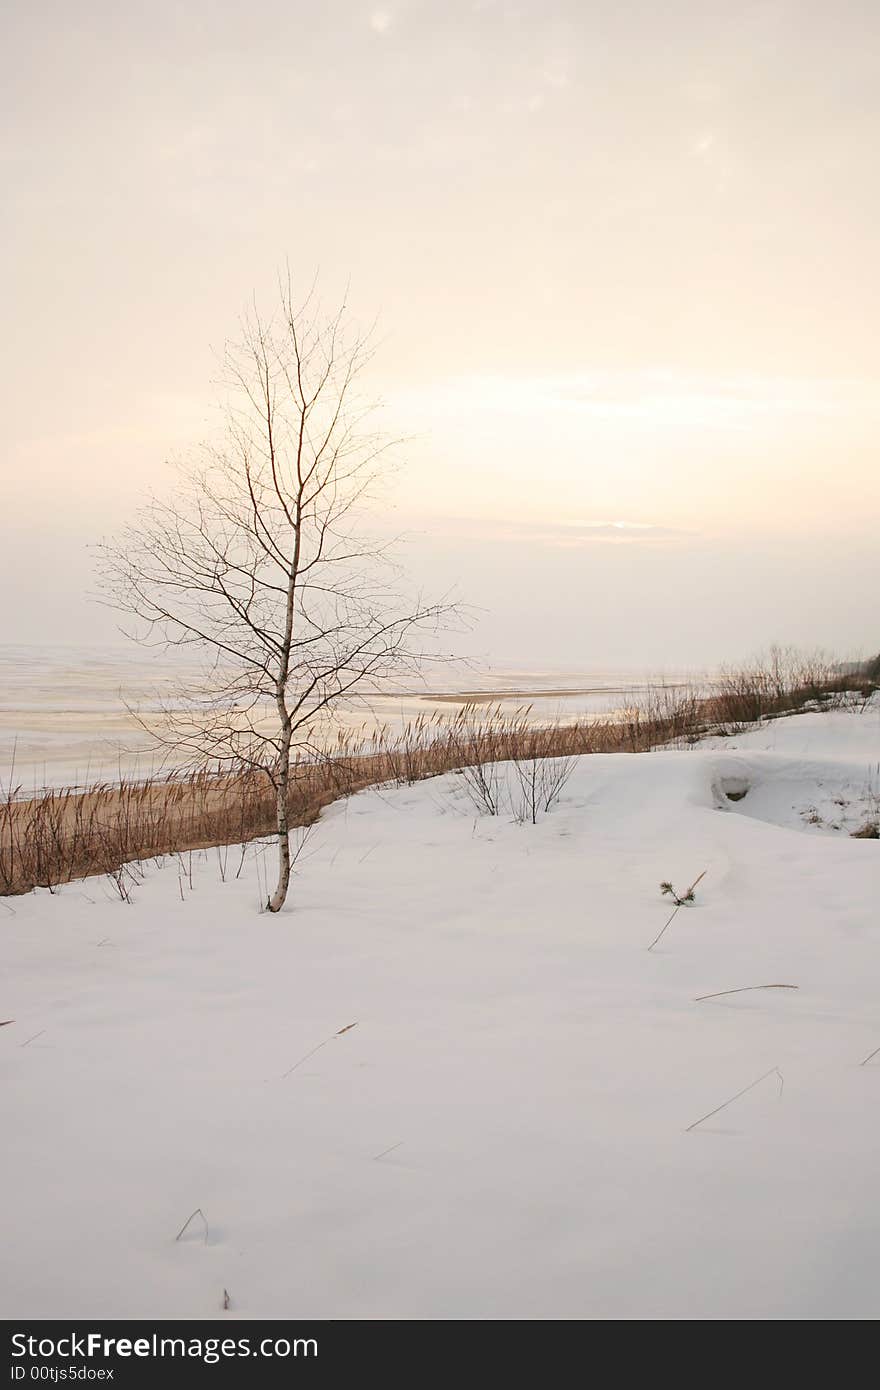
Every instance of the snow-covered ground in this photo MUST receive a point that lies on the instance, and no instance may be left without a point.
(816, 772)
(510, 1130)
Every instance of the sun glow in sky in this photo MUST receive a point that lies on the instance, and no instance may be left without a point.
(623, 259)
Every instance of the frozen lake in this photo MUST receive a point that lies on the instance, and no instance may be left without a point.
(67, 713)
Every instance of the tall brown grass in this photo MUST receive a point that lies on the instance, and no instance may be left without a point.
(63, 835)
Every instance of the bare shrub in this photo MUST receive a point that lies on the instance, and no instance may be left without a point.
(485, 786)
(555, 773)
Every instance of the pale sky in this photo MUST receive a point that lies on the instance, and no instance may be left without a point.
(624, 259)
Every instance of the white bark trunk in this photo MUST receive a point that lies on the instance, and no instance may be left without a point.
(277, 900)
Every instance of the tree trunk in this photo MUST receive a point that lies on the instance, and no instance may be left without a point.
(277, 900)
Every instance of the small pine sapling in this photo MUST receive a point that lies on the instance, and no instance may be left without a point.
(680, 899)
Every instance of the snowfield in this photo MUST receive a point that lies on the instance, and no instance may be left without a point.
(502, 1131)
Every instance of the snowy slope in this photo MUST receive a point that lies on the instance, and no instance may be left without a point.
(526, 1067)
(817, 772)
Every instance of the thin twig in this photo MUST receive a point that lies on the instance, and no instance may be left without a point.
(33, 1038)
(751, 1086)
(743, 990)
(198, 1212)
(869, 1056)
(346, 1029)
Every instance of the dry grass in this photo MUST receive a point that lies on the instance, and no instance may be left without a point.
(64, 835)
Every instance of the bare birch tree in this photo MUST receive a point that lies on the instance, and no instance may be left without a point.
(257, 561)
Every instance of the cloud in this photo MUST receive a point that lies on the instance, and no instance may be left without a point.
(563, 535)
(682, 397)
(648, 403)
(555, 74)
(620, 530)
(568, 533)
(703, 91)
(380, 21)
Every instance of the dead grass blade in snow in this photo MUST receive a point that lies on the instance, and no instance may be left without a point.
(388, 1151)
(774, 1071)
(745, 989)
(198, 1212)
(347, 1029)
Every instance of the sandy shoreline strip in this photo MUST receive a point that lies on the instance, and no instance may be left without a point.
(474, 697)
